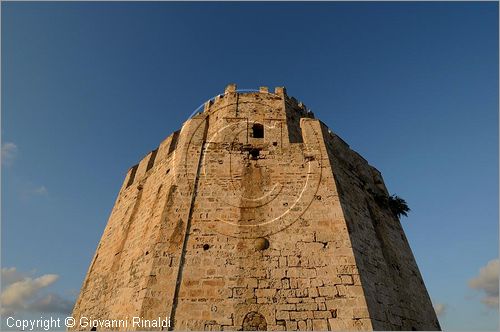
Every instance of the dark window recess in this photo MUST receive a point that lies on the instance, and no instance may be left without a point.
(132, 175)
(257, 130)
(254, 153)
(206, 247)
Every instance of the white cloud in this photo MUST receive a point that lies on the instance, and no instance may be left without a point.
(487, 283)
(9, 152)
(17, 293)
(21, 293)
(440, 309)
(10, 275)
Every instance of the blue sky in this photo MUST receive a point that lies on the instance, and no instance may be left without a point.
(89, 88)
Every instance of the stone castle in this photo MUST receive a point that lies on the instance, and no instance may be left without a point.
(256, 216)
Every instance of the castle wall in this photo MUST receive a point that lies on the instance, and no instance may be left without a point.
(306, 279)
(142, 233)
(230, 226)
(397, 298)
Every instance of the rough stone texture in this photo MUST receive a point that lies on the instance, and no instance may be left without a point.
(222, 229)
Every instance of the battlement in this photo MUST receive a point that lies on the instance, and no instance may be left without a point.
(229, 106)
(280, 92)
(160, 154)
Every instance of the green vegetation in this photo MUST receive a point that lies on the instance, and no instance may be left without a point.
(396, 204)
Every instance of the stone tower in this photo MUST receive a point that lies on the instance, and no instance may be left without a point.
(255, 216)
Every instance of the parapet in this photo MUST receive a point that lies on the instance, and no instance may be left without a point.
(231, 88)
(161, 153)
(280, 91)
(165, 149)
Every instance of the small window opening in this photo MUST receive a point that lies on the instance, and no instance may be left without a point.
(257, 130)
(206, 247)
(254, 153)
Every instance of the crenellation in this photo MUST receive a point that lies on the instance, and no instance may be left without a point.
(231, 88)
(144, 165)
(280, 91)
(208, 104)
(130, 177)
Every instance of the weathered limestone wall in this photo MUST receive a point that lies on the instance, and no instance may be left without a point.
(306, 279)
(396, 295)
(254, 216)
(117, 273)
(143, 233)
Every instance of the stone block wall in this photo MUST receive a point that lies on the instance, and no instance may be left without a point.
(395, 292)
(254, 216)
